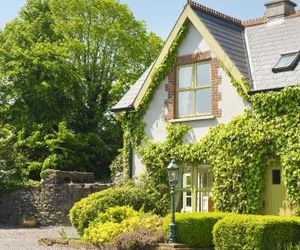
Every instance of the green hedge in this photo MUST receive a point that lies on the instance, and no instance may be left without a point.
(86, 210)
(195, 229)
(252, 232)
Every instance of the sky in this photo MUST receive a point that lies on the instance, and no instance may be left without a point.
(160, 15)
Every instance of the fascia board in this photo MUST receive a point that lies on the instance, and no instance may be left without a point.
(189, 14)
(180, 22)
(215, 47)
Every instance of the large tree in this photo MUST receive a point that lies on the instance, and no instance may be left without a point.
(62, 66)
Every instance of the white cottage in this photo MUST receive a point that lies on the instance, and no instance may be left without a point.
(199, 92)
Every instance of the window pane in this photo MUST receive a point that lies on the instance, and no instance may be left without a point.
(286, 60)
(188, 181)
(185, 103)
(205, 181)
(205, 202)
(189, 202)
(185, 77)
(203, 74)
(203, 100)
(276, 177)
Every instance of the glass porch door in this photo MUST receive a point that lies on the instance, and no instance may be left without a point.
(187, 193)
(197, 182)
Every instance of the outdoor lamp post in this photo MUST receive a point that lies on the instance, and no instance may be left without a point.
(173, 172)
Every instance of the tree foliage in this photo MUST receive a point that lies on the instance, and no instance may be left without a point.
(132, 123)
(9, 165)
(63, 64)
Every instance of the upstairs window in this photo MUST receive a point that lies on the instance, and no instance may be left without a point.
(194, 93)
(287, 62)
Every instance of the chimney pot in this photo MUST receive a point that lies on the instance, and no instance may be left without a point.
(279, 9)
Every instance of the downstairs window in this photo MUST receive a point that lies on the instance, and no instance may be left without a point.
(196, 189)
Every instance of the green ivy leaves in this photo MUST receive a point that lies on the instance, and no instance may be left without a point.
(239, 152)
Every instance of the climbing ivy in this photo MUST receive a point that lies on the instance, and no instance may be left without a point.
(238, 84)
(132, 123)
(156, 156)
(239, 152)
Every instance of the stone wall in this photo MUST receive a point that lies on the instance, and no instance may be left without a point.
(50, 203)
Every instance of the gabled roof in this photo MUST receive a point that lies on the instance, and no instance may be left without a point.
(131, 102)
(248, 49)
(228, 32)
(126, 102)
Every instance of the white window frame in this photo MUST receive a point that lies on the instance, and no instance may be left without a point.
(185, 196)
(200, 196)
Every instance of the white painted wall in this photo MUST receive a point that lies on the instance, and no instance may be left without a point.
(193, 43)
(231, 104)
(154, 118)
(137, 165)
(155, 124)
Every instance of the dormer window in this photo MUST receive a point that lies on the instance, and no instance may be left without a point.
(194, 94)
(287, 62)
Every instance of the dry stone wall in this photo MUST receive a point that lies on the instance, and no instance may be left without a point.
(50, 203)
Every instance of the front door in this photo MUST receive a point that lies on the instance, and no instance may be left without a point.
(274, 198)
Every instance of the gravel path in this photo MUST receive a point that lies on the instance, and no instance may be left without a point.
(27, 238)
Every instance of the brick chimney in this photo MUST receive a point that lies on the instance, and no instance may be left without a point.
(277, 9)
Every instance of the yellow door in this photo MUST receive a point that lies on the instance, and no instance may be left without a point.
(274, 199)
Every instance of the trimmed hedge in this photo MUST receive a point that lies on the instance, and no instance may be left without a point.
(249, 232)
(86, 210)
(195, 229)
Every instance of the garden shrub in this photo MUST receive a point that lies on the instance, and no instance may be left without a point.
(87, 210)
(141, 238)
(116, 214)
(118, 220)
(102, 233)
(250, 232)
(288, 247)
(195, 229)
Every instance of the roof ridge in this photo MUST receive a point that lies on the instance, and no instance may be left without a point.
(254, 21)
(213, 12)
(296, 14)
(263, 19)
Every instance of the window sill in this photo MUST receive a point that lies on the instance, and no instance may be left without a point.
(190, 119)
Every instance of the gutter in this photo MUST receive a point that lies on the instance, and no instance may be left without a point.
(253, 92)
(119, 110)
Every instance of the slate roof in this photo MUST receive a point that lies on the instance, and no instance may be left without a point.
(126, 102)
(230, 36)
(266, 43)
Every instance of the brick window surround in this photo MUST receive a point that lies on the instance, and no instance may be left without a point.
(170, 102)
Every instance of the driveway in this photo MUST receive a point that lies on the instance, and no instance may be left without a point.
(27, 238)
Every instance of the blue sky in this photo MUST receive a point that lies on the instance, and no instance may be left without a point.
(160, 15)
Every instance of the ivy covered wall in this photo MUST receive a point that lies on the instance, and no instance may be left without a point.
(239, 152)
